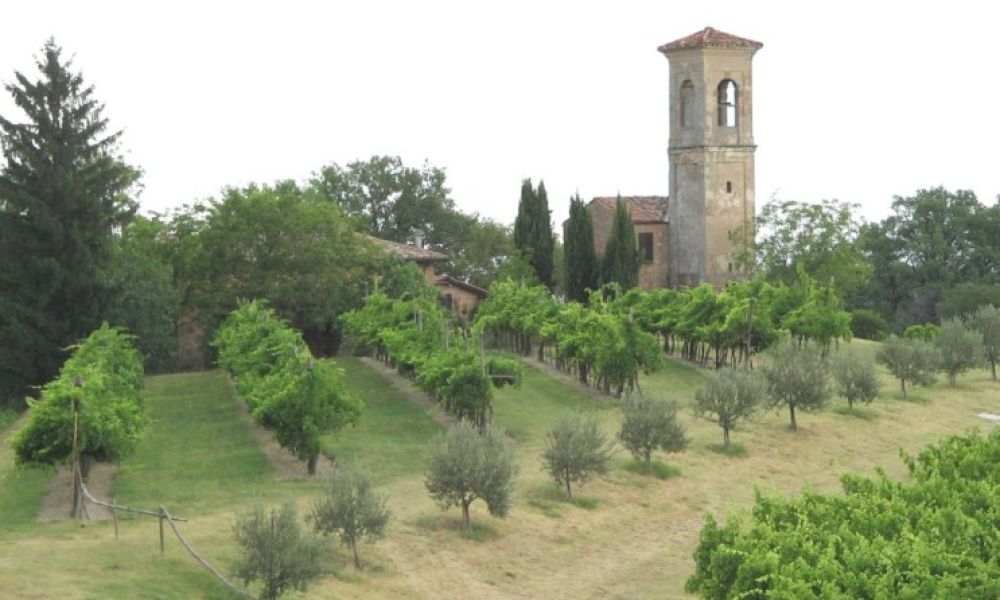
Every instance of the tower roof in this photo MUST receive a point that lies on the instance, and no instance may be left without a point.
(709, 38)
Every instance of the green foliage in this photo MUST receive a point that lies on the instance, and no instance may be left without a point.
(798, 377)
(927, 332)
(467, 466)
(146, 300)
(854, 377)
(102, 382)
(934, 241)
(868, 325)
(820, 240)
(986, 321)
(576, 449)
(650, 425)
(959, 349)
(966, 298)
(933, 537)
(276, 551)
(580, 259)
(621, 260)
(533, 231)
(64, 188)
(909, 360)
(352, 509)
(504, 371)
(820, 317)
(287, 390)
(730, 396)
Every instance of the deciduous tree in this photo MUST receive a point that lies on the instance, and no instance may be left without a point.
(854, 376)
(351, 508)
(986, 321)
(275, 550)
(797, 377)
(730, 396)
(466, 466)
(959, 349)
(650, 425)
(909, 360)
(575, 450)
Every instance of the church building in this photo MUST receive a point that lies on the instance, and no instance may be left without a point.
(694, 235)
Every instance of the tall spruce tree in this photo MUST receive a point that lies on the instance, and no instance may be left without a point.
(63, 191)
(533, 231)
(579, 257)
(621, 254)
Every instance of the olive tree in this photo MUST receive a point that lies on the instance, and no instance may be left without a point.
(466, 466)
(854, 377)
(351, 508)
(797, 377)
(730, 396)
(986, 320)
(274, 550)
(576, 449)
(909, 360)
(959, 349)
(650, 425)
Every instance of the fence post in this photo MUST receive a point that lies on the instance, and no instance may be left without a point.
(160, 519)
(114, 515)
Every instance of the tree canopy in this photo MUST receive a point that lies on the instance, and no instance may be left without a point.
(533, 231)
(581, 269)
(64, 188)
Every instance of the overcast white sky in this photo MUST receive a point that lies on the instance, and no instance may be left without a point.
(858, 101)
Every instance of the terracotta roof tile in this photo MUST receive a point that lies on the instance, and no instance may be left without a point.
(642, 209)
(448, 280)
(408, 251)
(709, 37)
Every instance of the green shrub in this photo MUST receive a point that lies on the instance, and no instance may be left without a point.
(868, 325)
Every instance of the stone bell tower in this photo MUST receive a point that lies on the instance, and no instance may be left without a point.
(711, 156)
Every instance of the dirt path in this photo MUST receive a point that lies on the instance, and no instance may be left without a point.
(406, 387)
(58, 502)
(286, 465)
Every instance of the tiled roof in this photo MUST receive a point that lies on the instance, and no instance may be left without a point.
(707, 38)
(642, 209)
(408, 251)
(448, 280)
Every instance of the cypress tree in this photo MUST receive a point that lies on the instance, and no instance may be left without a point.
(533, 231)
(63, 191)
(579, 256)
(621, 254)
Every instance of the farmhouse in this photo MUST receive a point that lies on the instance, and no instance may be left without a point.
(458, 296)
(693, 236)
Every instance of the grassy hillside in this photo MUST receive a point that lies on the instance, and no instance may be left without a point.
(632, 538)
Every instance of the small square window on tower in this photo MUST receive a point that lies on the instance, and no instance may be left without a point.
(729, 187)
(646, 247)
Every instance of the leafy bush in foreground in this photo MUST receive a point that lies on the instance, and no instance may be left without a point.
(935, 537)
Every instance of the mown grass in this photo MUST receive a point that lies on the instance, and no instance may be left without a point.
(632, 538)
(21, 488)
(197, 453)
(527, 412)
(392, 437)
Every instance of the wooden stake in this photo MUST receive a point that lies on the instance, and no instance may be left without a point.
(160, 510)
(114, 516)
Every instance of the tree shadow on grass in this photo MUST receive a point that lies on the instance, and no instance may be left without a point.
(660, 470)
(551, 500)
(477, 530)
(734, 450)
(858, 412)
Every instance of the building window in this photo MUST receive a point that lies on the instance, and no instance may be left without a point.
(728, 101)
(646, 247)
(729, 187)
(687, 102)
(447, 301)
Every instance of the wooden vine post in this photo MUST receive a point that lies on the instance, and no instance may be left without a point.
(160, 512)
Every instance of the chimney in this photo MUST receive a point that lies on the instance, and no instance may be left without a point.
(418, 238)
